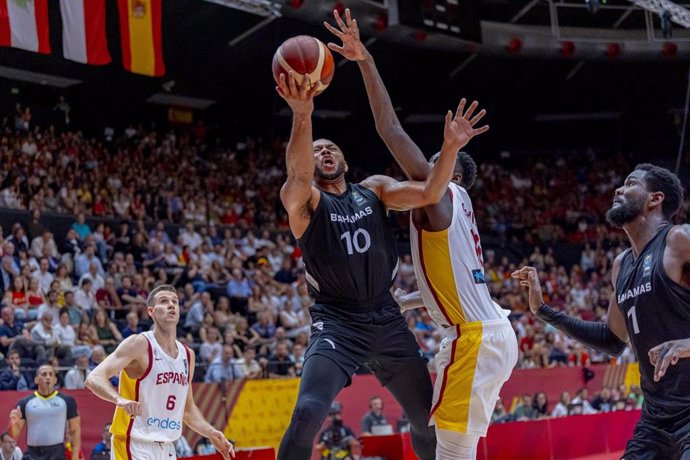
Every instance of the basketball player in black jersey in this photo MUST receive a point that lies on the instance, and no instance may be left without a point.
(351, 260)
(650, 308)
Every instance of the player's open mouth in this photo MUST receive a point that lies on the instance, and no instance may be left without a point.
(328, 162)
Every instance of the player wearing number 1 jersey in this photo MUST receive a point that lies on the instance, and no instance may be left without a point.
(155, 395)
(650, 307)
(350, 259)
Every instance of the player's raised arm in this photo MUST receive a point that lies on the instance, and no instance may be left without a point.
(609, 337)
(405, 151)
(133, 348)
(415, 194)
(297, 191)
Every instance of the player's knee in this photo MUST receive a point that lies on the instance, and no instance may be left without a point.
(308, 416)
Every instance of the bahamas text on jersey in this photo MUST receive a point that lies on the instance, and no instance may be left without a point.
(634, 292)
(353, 217)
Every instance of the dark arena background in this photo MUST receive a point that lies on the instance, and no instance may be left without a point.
(159, 159)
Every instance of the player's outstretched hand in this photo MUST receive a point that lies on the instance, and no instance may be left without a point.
(299, 96)
(668, 354)
(133, 408)
(460, 128)
(222, 445)
(529, 278)
(348, 32)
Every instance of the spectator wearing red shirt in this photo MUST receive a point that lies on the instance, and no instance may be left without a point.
(527, 342)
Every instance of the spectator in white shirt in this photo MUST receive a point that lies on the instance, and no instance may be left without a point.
(85, 296)
(9, 198)
(190, 237)
(294, 319)
(212, 347)
(46, 335)
(39, 244)
(51, 306)
(29, 146)
(580, 399)
(96, 279)
(251, 368)
(561, 409)
(43, 276)
(75, 377)
(8, 448)
(68, 335)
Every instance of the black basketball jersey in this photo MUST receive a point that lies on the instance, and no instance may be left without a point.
(656, 310)
(349, 250)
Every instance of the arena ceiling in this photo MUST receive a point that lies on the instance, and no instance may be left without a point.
(222, 54)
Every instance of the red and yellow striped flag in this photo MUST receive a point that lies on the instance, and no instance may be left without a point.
(141, 36)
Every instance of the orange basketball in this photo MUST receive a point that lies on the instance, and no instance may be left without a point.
(304, 55)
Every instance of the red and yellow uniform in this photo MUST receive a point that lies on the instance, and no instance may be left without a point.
(479, 350)
(162, 392)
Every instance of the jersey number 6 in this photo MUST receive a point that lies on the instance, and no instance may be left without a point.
(170, 405)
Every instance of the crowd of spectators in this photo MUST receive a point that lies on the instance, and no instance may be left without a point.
(148, 175)
(243, 299)
(72, 297)
(142, 175)
(534, 407)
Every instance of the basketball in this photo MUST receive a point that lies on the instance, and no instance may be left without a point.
(304, 55)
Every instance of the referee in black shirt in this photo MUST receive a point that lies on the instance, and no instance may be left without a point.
(45, 413)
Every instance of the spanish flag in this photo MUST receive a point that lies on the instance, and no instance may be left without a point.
(141, 36)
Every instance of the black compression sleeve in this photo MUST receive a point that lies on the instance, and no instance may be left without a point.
(594, 334)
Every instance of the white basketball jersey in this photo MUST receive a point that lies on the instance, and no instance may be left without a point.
(162, 392)
(450, 268)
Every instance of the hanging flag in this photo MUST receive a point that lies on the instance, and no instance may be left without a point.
(141, 36)
(24, 24)
(83, 31)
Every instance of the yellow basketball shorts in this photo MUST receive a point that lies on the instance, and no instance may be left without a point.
(474, 362)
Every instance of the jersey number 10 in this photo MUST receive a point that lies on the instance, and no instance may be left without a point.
(360, 241)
